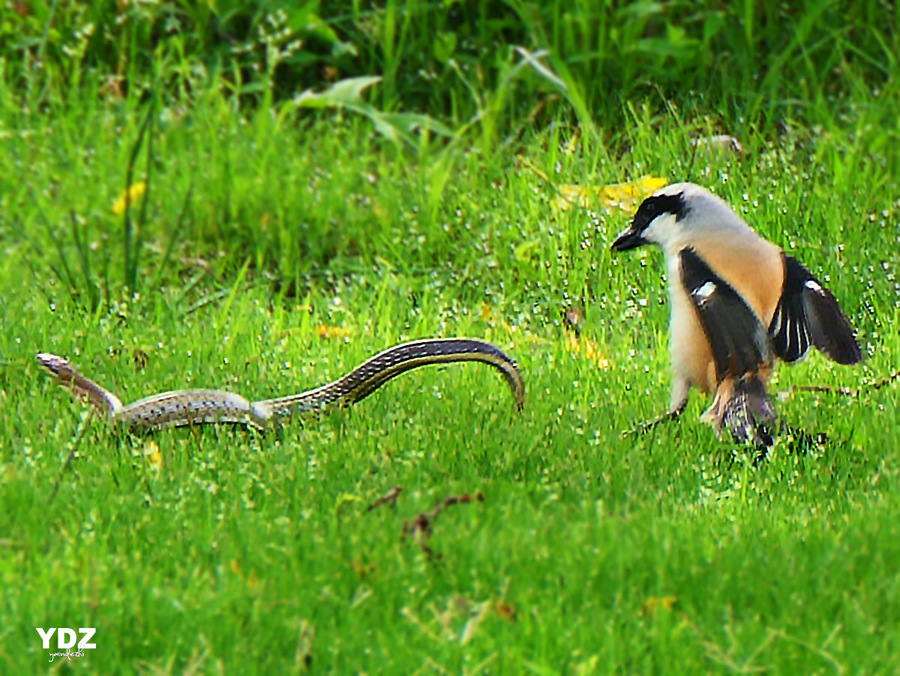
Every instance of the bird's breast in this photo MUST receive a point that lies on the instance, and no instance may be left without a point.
(692, 358)
(752, 266)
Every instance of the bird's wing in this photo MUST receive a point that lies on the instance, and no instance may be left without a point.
(808, 314)
(736, 336)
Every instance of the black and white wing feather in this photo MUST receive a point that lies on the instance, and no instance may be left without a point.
(737, 337)
(808, 314)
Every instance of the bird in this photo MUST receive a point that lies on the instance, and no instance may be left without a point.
(738, 303)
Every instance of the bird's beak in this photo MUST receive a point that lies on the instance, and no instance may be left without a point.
(630, 239)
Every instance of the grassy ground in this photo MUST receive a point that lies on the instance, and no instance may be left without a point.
(275, 248)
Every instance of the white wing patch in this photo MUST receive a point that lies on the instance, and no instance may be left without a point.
(705, 291)
(808, 315)
(775, 328)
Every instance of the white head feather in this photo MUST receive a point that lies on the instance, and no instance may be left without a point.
(702, 215)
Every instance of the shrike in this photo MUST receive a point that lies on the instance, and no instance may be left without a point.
(738, 301)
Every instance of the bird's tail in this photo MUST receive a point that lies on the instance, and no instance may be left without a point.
(743, 407)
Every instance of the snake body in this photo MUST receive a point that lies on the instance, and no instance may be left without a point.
(195, 407)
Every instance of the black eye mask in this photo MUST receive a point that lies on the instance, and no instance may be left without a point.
(656, 205)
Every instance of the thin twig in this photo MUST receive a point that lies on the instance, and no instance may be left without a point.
(643, 428)
(844, 391)
(421, 526)
(389, 497)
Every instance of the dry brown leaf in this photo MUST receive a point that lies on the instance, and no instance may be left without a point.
(719, 142)
(624, 197)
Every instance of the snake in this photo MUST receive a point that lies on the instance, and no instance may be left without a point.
(195, 407)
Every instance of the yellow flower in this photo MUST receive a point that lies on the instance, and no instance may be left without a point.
(132, 194)
(338, 332)
(154, 457)
(654, 604)
(587, 348)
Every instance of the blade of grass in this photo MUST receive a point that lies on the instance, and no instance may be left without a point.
(129, 243)
(163, 264)
(84, 260)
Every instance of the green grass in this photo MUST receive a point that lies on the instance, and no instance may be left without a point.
(262, 222)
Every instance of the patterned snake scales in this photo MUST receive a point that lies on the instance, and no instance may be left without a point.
(195, 407)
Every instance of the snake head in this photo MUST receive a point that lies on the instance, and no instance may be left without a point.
(58, 366)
